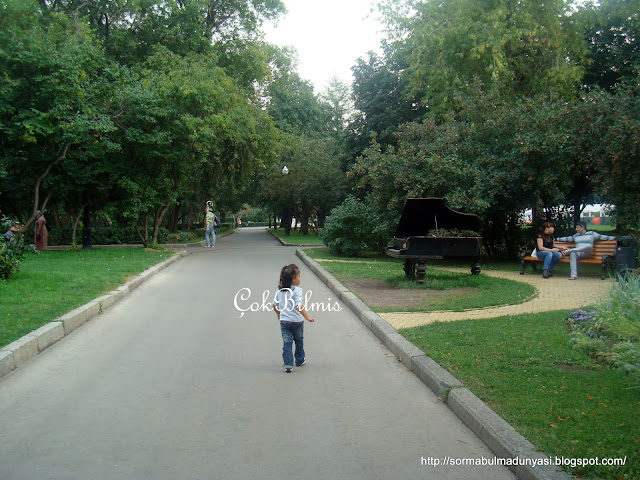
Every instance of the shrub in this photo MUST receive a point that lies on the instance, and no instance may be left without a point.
(9, 263)
(104, 236)
(611, 332)
(353, 227)
(186, 236)
(11, 254)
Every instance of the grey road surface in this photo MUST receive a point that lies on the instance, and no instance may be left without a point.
(183, 379)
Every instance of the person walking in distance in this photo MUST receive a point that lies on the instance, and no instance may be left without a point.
(41, 233)
(289, 307)
(209, 227)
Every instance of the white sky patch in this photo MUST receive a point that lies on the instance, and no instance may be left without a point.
(329, 36)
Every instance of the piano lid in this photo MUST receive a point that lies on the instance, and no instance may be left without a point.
(421, 215)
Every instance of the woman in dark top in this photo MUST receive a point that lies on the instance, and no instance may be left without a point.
(545, 249)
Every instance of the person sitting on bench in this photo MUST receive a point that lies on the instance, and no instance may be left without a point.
(584, 246)
(546, 250)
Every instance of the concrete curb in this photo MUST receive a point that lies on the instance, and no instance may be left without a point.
(503, 440)
(24, 349)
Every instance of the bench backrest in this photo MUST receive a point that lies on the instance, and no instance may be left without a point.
(601, 248)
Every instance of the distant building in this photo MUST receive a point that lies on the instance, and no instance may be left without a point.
(596, 214)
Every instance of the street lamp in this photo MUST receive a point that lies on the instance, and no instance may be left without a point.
(86, 223)
(287, 211)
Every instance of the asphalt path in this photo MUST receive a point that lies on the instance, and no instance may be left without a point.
(183, 379)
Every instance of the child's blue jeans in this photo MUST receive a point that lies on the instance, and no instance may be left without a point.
(292, 332)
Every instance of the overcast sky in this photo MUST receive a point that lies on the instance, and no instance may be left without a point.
(329, 36)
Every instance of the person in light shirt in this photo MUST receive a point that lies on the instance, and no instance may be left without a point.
(584, 245)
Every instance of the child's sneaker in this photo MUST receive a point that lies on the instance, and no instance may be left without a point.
(287, 370)
(303, 362)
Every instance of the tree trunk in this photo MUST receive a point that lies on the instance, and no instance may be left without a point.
(144, 236)
(37, 208)
(86, 227)
(159, 217)
(175, 218)
(75, 229)
(538, 216)
(577, 210)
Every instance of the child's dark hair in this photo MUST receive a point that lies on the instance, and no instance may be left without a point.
(287, 274)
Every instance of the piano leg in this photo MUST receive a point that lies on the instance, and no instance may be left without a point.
(421, 270)
(475, 267)
(410, 269)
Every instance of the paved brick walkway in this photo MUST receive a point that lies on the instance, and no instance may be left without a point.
(557, 293)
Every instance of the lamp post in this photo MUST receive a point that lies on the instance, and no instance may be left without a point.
(286, 217)
(86, 223)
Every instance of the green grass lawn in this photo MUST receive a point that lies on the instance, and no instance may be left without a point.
(522, 366)
(555, 396)
(486, 291)
(481, 290)
(296, 238)
(562, 269)
(54, 282)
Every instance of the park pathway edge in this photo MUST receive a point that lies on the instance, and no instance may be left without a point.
(24, 349)
(503, 440)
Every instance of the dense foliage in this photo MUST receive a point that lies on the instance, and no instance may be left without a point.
(508, 122)
(134, 114)
(610, 333)
(12, 251)
(354, 227)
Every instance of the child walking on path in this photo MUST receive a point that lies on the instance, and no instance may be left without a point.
(289, 307)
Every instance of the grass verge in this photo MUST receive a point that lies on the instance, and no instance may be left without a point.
(296, 237)
(54, 282)
(480, 290)
(560, 270)
(555, 396)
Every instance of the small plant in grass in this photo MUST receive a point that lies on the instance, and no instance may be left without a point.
(611, 331)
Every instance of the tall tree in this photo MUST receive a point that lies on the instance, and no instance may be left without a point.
(314, 183)
(186, 127)
(130, 29)
(524, 47)
(53, 107)
(382, 101)
(612, 32)
(618, 166)
(295, 108)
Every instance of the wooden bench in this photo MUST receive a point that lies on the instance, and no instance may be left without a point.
(604, 253)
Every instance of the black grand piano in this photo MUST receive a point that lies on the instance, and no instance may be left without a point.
(419, 236)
